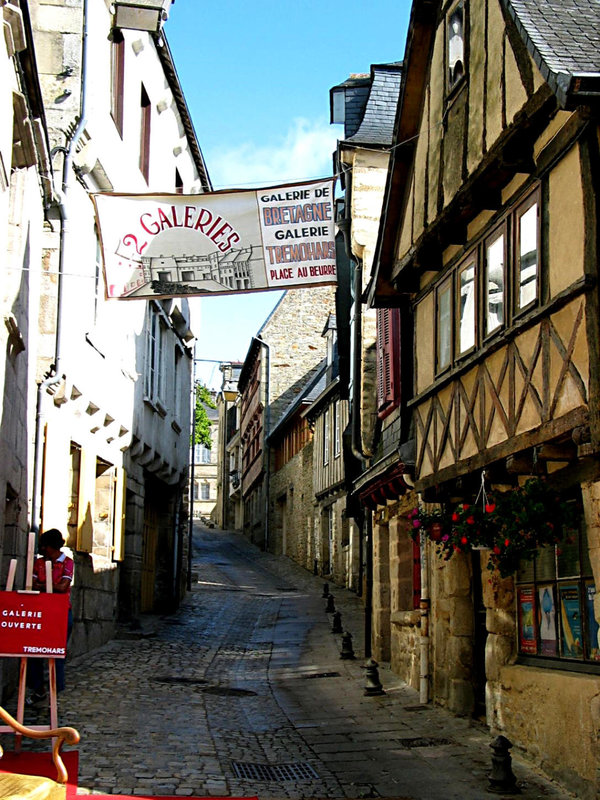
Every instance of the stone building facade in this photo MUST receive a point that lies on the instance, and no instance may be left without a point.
(282, 357)
(110, 457)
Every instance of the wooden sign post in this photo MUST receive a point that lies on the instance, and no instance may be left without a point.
(33, 624)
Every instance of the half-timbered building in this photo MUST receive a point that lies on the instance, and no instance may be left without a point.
(489, 247)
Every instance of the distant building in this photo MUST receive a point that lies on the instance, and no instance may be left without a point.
(229, 510)
(205, 467)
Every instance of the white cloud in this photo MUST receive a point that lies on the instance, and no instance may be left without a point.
(303, 153)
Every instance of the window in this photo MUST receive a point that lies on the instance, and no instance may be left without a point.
(117, 80)
(494, 282)
(466, 306)
(388, 360)
(555, 604)
(456, 45)
(154, 370)
(326, 437)
(187, 275)
(205, 491)
(444, 324)
(527, 247)
(202, 454)
(146, 118)
(491, 286)
(337, 438)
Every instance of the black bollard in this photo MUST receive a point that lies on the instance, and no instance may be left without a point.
(330, 608)
(337, 623)
(373, 686)
(347, 651)
(325, 590)
(502, 779)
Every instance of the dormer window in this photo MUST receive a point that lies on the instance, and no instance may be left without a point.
(456, 45)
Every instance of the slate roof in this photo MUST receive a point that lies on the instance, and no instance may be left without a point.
(307, 394)
(377, 124)
(563, 38)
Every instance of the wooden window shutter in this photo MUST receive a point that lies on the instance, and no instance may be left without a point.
(87, 492)
(388, 359)
(55, 490)
(119, 515)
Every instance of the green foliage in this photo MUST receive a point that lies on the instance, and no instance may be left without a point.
(513, 525)
(202, 423)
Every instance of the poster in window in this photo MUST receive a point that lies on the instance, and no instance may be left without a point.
(547, 621)
(527, 621)
(593, 627)
(570, 619)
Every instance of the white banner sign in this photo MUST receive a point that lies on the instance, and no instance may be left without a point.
(217, 243)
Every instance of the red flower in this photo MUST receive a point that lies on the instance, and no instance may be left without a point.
(455, 517)
(470, 520)
(465, 506)
(489, 508)
(506, 542)
(496, 550)
(463, 540)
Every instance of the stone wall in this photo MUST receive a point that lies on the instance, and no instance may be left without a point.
(291, 508)
(294, 335)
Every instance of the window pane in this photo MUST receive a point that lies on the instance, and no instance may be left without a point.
(528, 256)
(494, 284)
(568, 558)
(547, 614)
(570, 622)
(444, 309)
(545, 564)
(592, 622)
(456, 58)
(466, 307)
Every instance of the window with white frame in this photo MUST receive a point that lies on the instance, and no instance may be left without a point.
(491, 286)
(455, 33)
(202, 454)
(337, 436)
(154, 377)
(205, 490)
(326, 437)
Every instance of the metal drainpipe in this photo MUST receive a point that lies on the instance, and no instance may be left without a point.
(62, 195)
(267, 456)
(366, 536)
(424, 610)
(192, 475)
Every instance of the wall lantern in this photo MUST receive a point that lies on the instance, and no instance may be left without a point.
(141, 15)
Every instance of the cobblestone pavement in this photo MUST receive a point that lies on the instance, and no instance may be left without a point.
(242, 692)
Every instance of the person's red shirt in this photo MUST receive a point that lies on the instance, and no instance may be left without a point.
(61, 568)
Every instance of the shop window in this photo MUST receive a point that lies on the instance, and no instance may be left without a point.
(456, 45)
(555, 605)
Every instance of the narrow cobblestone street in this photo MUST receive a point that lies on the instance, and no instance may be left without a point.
(243, 692)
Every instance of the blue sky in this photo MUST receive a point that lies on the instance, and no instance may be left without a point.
(256, 77)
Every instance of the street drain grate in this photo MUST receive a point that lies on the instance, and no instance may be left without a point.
(323, 675)
(274, 772)
(424, 741)
(228, 691)
(184, 681)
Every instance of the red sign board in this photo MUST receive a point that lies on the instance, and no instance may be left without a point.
(33, 625)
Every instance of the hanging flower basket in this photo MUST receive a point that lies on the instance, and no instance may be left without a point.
(513, 526)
